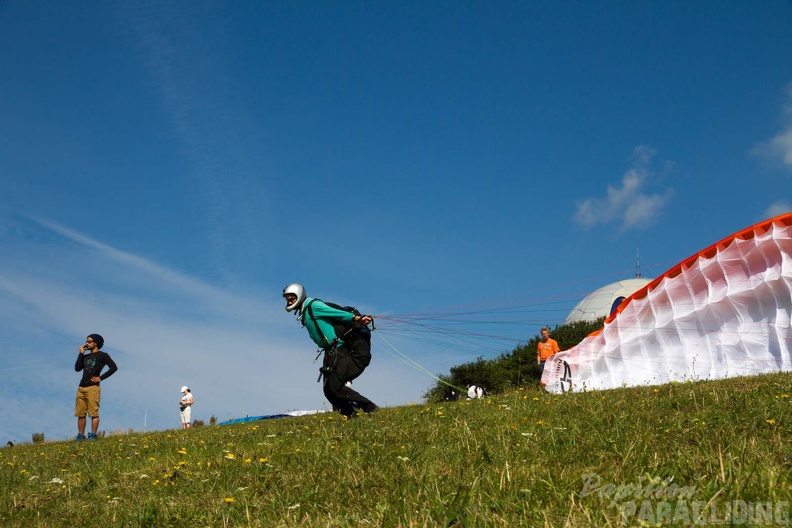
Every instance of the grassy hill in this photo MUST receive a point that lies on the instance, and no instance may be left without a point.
(652, 455)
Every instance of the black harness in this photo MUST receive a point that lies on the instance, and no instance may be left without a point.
(331, 348)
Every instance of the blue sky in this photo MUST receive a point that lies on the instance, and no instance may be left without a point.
(166, 168)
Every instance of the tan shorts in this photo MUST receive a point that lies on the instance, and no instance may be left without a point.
(87, 401)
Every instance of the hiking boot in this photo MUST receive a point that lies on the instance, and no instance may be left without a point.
(370, 408)
(80, 437)
(91, 436)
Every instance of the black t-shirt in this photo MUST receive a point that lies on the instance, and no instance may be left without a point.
(92, 364)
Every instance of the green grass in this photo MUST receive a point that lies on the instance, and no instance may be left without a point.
(515, 459)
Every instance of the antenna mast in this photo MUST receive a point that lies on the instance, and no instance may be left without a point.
(638, 262)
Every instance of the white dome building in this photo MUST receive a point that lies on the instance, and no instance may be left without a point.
(602, 302)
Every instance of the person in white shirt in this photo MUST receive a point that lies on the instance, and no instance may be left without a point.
(185, 406)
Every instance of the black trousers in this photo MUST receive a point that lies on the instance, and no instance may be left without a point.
(346, 363)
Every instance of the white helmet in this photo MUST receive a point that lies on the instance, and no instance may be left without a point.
(299, 291)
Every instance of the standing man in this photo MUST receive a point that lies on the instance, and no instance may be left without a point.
(88, 393)
(346, 344)
(546, 348)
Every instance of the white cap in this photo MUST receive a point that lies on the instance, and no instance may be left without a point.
(184, 388)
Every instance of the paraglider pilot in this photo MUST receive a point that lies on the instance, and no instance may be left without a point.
(344, 338)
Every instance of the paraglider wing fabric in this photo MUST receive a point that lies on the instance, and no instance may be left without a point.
(254, 418)
(723, 312)
(270, 416)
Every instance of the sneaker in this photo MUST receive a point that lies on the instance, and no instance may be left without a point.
(370, 408)
(91, 436)
(80, 437)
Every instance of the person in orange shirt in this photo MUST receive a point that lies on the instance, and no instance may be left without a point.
(546, 348)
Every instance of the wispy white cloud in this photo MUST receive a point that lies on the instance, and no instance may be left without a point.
(627, 204)
(778, 207)
(211, 295)
(778, 149)
(216, 137)
(643, 154)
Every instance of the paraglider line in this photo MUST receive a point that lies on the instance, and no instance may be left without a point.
(405, 359)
